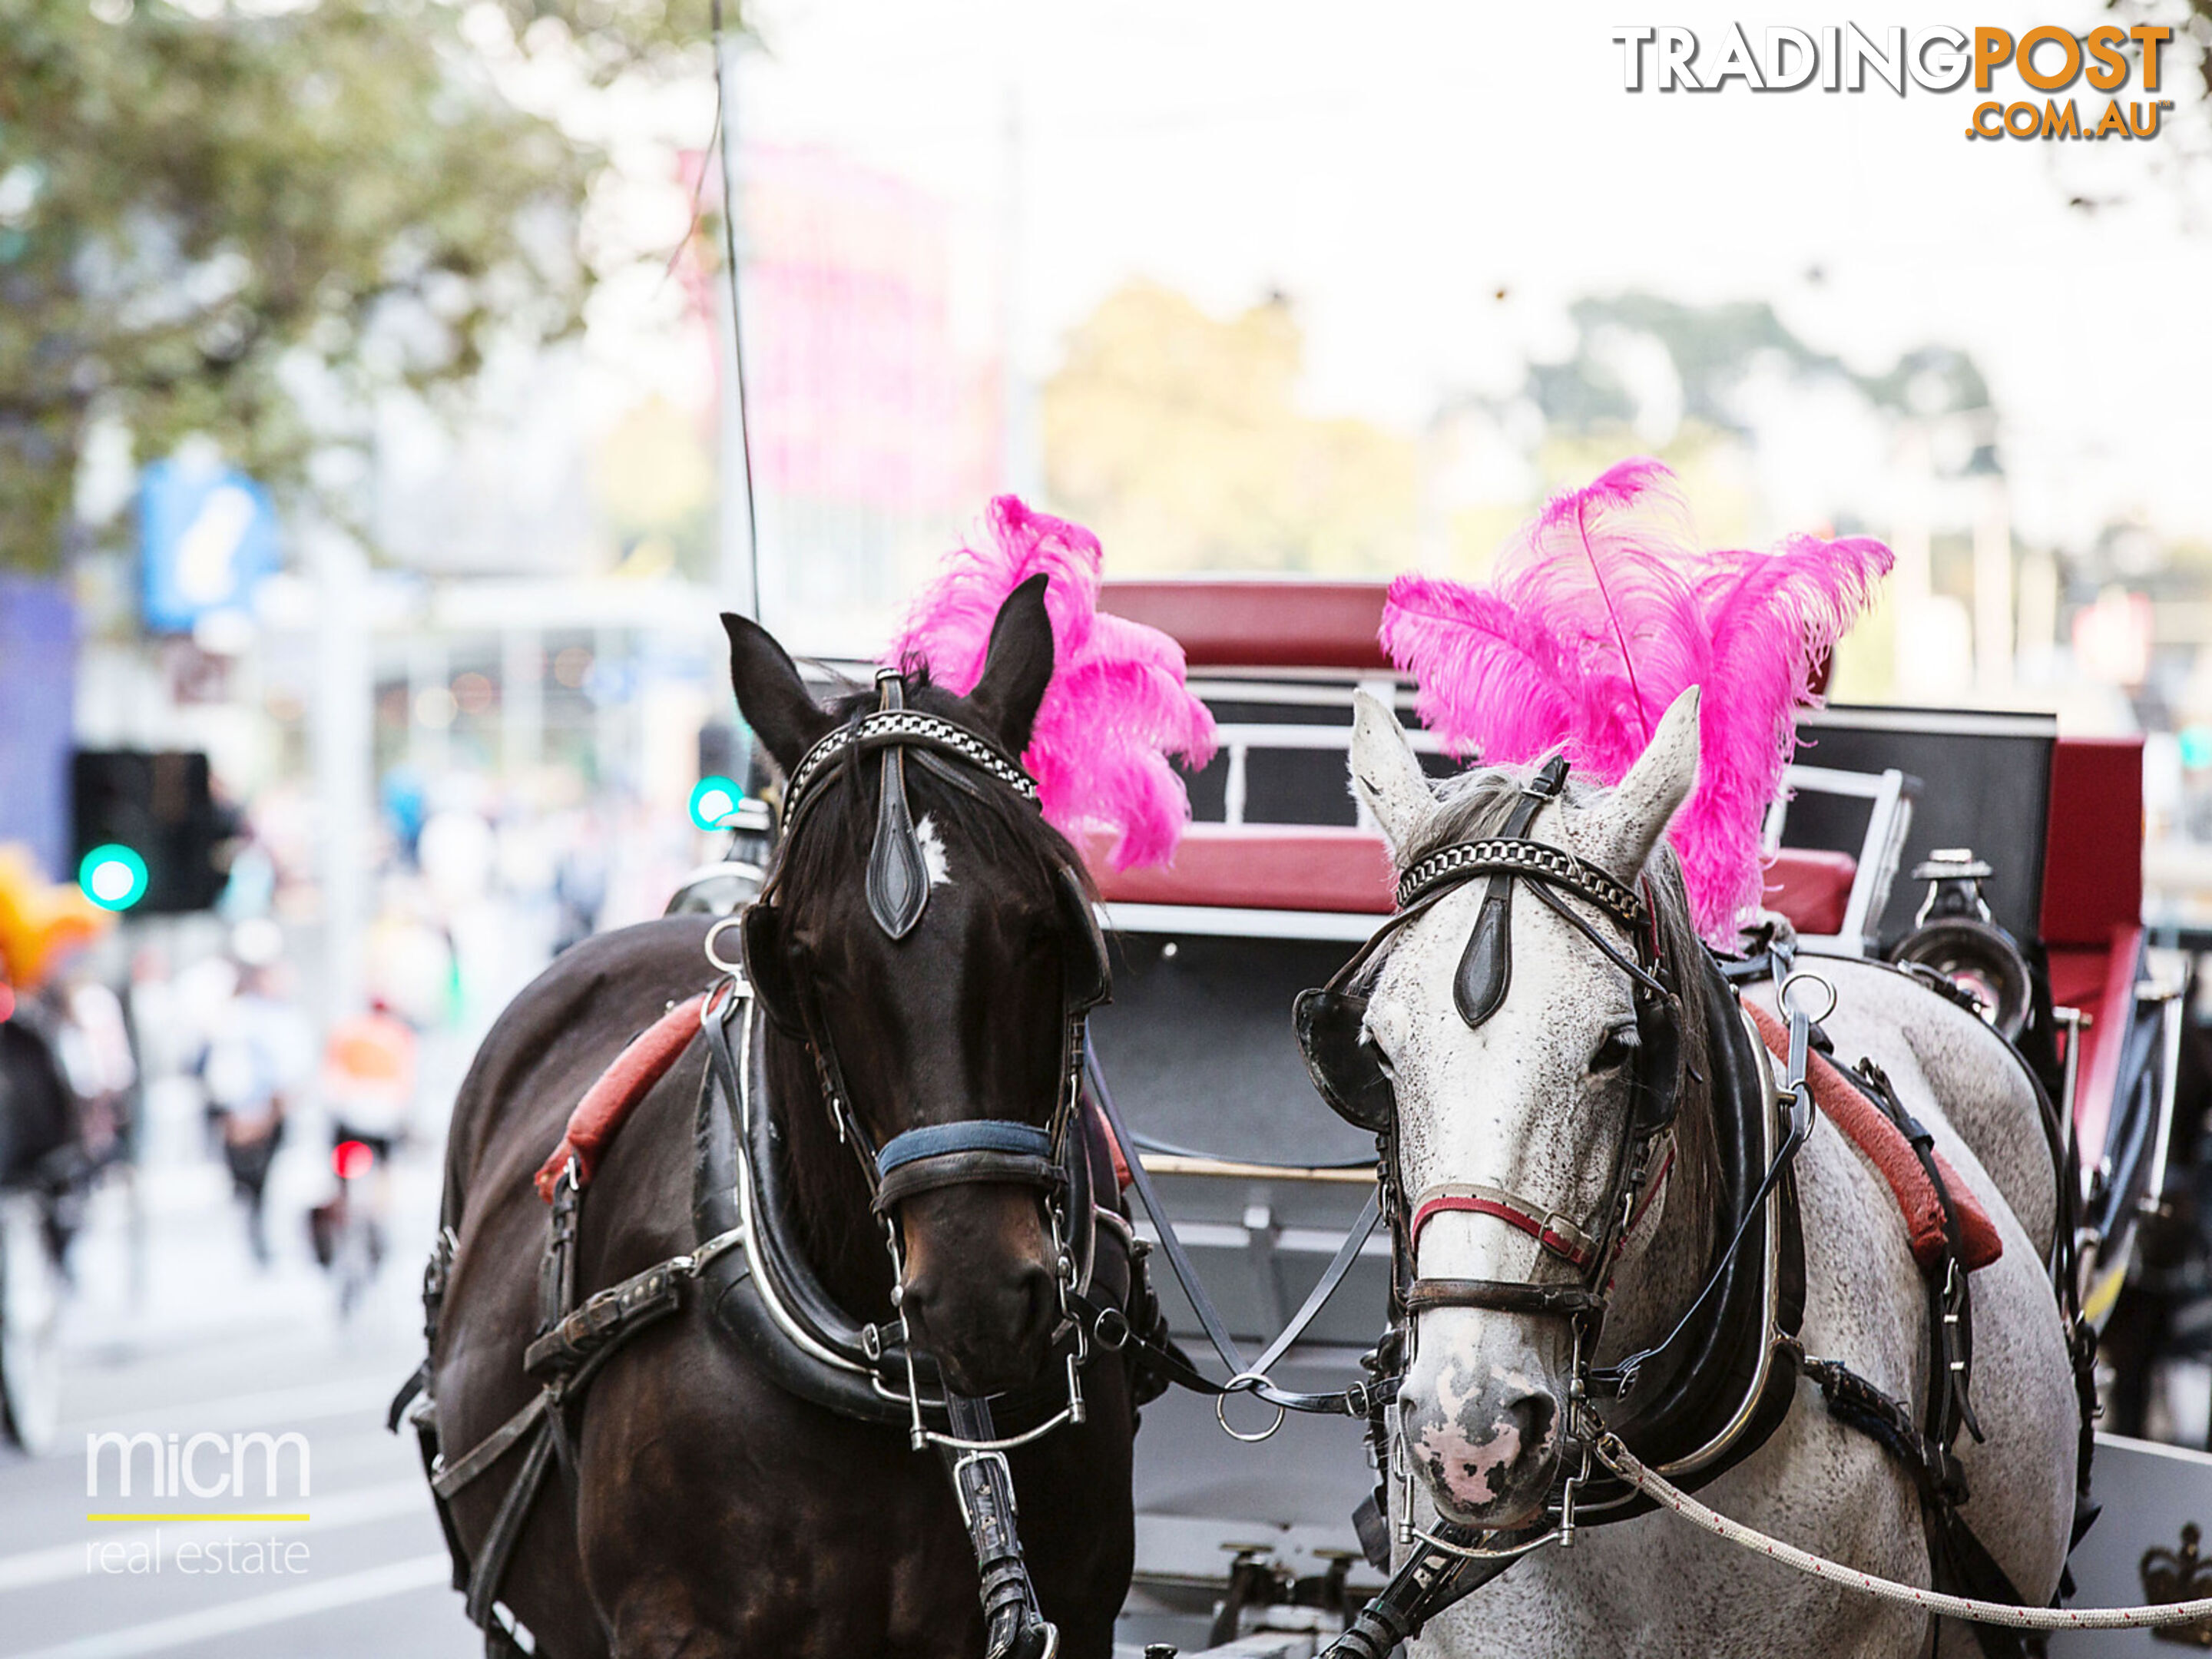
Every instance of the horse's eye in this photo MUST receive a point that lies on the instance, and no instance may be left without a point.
(1615, 1050)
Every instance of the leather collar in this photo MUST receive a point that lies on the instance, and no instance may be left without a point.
(1688, 1394)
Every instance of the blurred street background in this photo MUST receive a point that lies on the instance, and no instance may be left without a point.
(372, 476)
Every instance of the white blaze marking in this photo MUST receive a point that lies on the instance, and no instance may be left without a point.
(933, 852)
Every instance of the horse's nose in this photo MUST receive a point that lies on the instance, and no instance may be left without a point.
(1022, 1306)
(1532, 1413)
(1487, 1452)
(1527, 1411)
(1041, 1307)
(988, 1336)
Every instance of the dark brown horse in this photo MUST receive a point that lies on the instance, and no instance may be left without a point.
(708, 1510)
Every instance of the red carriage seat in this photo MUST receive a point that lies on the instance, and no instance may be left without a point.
(1810, 886)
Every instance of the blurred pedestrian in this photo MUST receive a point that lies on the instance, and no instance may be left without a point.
(368, 1086)
(257, 1055)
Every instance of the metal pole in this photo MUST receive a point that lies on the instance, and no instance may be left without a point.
(521, 701)
(738, 578)
(343, 761)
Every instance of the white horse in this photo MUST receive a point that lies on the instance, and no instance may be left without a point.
(1534, 1102)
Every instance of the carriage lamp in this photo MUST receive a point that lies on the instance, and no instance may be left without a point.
(714, 802)
(112, 876)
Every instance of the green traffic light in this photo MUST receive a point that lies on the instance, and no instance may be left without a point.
(714, 802)
(112, 876)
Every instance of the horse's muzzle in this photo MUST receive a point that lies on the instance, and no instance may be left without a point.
(1487, 1446)
(980, 1295)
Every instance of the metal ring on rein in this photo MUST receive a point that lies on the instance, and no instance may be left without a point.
(737, 968)
(1806, 975)
(1247, 1381)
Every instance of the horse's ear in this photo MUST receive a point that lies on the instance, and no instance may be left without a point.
(770, 694)
(1654, 789)
(1017, 667)
(1386, 775)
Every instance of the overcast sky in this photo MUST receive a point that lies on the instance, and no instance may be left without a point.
(1392, 166)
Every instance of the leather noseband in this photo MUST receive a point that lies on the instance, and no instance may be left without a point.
(952, 1154)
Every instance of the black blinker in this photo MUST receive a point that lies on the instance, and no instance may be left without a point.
(1659, 1061)
(767, 966)
(1342, 1062)
(898, 874)
(1087, 977)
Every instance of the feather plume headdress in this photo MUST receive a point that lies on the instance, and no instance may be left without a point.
(1116, 707)
(1598, 614)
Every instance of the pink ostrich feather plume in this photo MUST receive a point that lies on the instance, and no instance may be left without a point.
(1598, 614)
(1117, 706)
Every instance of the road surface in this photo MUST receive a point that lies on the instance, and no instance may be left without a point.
(178, 1335)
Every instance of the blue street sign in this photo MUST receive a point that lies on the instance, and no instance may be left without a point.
(206, 536)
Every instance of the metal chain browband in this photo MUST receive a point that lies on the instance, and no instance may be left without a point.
(901, 726)
(1454, 865)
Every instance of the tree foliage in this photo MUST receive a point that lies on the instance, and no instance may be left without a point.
(1177, 438)
(232, 219)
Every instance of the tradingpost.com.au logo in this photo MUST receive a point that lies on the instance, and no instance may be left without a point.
(1844, 57)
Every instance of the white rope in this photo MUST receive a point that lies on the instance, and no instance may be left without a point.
(1616, 1457)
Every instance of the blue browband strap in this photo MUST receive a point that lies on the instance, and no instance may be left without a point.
(987, 1135)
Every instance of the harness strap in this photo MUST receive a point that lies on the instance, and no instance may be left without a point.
(1957, 1560)
(1168, 1360)
(1650, 1195)
(1433, 1576)
(607, 1318)
(507, 1527)
(451, 1477)
(965, 1169)
(937, 1154)
(984, 1484)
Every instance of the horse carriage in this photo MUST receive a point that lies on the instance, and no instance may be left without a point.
(984, 1187)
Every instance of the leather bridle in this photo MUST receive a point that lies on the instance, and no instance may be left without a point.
(968, 1150)
(1351, 1075)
